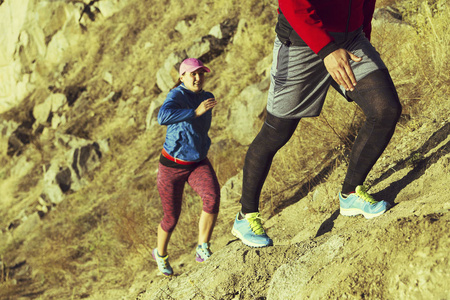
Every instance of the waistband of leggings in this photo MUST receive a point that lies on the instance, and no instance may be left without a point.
(176, 160)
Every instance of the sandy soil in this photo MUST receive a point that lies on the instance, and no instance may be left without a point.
(319, 254)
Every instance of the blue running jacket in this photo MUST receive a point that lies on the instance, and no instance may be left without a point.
(187, 136)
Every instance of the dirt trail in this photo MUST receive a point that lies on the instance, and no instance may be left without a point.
(319, 254)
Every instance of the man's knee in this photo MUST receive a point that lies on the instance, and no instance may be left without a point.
(387, 115)
(378, 97)
(275, 133)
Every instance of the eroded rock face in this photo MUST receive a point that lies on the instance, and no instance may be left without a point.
(83, 157)
(13, 15)
(86, 158)
(166, 74)
(19, 138)
(152, 113)
(39, 33)
(6, 130)
(291, 278)
(205, 48)
(39, 39)
(250, 105)
(388, 14)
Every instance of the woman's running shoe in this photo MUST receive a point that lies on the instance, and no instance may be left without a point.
(163, 263)
(203, 253)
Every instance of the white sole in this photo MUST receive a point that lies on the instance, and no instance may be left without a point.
(250, 244)
(351, 212)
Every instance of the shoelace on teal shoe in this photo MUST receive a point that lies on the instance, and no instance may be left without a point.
(361, 191)
(205, 250)
(163, 261)
(255, 223)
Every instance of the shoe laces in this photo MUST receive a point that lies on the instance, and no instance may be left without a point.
(254, 220)
(204, 248)
(163, 261)
(361, 191)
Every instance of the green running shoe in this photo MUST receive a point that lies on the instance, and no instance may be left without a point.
(361, 203)
(250, 231)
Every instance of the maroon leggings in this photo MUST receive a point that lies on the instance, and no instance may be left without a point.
(170, 181)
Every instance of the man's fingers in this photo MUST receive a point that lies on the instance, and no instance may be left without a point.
(337, 77)
(345, 77)
(342, 79)
(338, 65)
(354, 57)
(349, 78)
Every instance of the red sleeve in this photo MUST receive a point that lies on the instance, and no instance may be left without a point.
(369, 8)
(302, 16)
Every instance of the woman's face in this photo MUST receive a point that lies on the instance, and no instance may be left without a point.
(194, 80)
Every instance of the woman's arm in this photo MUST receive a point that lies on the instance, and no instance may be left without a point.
(173, 112)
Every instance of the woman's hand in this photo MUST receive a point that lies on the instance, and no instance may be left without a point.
(206, 105)
(337, 64)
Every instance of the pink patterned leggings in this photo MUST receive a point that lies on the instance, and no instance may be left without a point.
(170, 182)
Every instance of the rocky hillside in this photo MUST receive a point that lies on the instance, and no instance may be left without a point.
(81, 84)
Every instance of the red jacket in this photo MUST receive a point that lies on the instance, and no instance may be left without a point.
(313, 19)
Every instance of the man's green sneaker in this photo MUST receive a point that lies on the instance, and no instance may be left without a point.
(250, 231)
(361, 203)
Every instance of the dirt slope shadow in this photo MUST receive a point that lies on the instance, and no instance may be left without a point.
(418, 161)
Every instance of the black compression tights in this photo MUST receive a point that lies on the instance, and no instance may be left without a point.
(377, 97)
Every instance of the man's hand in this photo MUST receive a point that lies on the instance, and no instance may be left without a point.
(339, 68)
(206, 105)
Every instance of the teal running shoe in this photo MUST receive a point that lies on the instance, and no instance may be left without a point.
(163, 263)
(362, 203)
(203, 253)
(250, 231)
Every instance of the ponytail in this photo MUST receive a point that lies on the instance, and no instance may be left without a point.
(176, 84)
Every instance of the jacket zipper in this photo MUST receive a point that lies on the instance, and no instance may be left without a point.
(348, 19)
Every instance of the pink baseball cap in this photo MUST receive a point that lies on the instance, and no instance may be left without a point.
(192, 64)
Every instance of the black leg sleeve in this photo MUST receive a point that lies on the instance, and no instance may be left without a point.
(377, 97)
(274, 134)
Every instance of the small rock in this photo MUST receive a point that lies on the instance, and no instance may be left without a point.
(41, 112)
(216, 32)
(107, 76)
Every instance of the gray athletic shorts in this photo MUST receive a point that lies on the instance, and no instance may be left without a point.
(299, 80)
